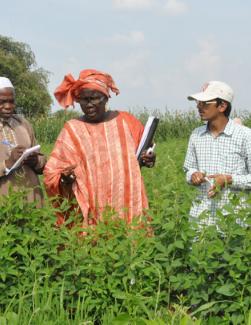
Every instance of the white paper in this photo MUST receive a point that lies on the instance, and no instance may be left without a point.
(144, 135)
(25, 154)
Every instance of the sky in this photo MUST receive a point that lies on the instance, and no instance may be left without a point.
(157, 51)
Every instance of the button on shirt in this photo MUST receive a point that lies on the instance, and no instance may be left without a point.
(228, 153)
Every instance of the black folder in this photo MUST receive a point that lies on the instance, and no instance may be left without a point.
(148, 134)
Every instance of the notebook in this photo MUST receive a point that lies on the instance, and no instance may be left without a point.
(148, 134)
(25, 154)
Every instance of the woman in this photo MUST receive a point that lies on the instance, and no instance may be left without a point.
(94, 156)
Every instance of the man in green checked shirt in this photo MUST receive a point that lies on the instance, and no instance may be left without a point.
(219, 152)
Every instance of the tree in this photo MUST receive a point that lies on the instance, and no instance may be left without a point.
(17, 62)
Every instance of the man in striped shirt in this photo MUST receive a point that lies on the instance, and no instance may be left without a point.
(219, 152)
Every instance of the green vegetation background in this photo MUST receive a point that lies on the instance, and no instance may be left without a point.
(166, 274)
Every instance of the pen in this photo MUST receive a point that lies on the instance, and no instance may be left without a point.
(7, 143)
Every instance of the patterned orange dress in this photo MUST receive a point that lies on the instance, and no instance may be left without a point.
(107, 171)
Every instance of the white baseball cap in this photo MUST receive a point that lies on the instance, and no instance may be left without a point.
(5, 83)
(212, 90)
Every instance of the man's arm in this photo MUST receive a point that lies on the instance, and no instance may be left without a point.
(239, 182)
(243, 182)
(190, 165)
(2, 168)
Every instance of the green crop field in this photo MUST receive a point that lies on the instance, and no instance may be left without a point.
(166, 272)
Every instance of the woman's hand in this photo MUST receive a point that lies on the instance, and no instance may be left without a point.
(31, 160)
(148, 159)
(67, 175)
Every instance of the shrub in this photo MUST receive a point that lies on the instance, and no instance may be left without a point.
(118, 268)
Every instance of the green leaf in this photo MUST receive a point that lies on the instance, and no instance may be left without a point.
(206, 306)
(12, 318)
(179, 244)
(226, 290)
(249, 318)
(3, 320)
(122, 319)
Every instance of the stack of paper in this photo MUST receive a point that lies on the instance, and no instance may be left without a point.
(148, 134)
(25, 154)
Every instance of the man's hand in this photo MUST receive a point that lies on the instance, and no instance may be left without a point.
(220, 181)
(67, 175)
(15, 154)
(147, 160)
(198, 178)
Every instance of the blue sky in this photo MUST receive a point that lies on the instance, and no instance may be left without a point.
(158, 51)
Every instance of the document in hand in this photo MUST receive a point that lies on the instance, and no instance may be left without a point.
(148, 134)
(25, 154)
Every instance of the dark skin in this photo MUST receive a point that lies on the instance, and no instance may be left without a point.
(7, 109)
(217, 122)
(93, 105)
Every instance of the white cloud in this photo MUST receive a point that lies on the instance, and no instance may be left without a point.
(133, 37)
(175, 7)
(133, 4)
(171, 7)
(131, 70)
(206, 62)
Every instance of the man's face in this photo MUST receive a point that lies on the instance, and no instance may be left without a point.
(92, 103)
(208, 110)
(7, 102)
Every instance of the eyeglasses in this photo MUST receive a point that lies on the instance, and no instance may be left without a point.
(93, 100)
(200, 103)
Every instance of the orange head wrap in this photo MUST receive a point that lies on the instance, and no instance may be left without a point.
(68, 91)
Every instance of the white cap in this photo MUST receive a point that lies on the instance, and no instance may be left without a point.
(213, 90)
(5, 83)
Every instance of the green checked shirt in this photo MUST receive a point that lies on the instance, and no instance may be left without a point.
(228, 153)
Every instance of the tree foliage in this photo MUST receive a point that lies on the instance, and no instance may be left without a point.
(17, 62)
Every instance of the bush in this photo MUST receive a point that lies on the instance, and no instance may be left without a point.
(118, 268)
(47, 128)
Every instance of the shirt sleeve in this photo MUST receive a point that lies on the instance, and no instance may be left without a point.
(2, 168)
(64, 154)
(190, 164)
(243, 182)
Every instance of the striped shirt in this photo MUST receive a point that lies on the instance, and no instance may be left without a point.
(107, 172)
(228, 153)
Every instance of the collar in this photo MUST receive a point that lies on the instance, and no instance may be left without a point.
(229, 128)
(11, 121)
(203, 129)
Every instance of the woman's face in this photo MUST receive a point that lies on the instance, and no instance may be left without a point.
(92, 103)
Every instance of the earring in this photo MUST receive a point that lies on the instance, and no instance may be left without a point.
(106, 107)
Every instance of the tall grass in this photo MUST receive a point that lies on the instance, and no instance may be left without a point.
(172, 124)
(47, 128)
